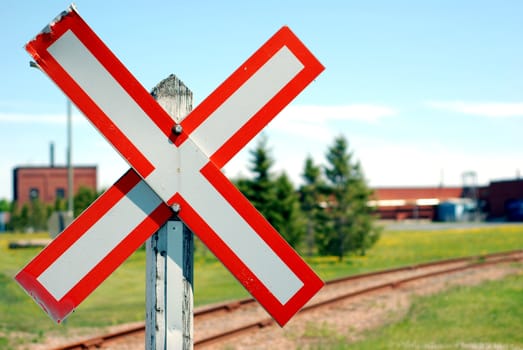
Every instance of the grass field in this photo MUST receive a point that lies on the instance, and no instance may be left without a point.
(487, 316)
(121, 298)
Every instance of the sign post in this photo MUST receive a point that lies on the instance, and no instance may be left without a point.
(175, 169)
(169, 268)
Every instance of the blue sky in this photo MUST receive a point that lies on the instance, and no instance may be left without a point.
(423, 90)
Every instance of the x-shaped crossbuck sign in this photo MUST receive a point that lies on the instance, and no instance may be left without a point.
(175, 167)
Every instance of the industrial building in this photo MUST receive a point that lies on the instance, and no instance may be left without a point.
(49, 183)
(400, 203)
(500, 200)
(504, 199)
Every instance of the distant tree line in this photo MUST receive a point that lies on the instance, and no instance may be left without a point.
(33, 216)
(328, 214)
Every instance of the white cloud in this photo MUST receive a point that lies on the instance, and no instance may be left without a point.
(485, 109)
(395, 163)
(301, 130)
(429, 163)
(357, 112)
(307, 120)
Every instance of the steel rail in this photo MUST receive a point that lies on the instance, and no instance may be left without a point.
(212, 310)
(480, 263)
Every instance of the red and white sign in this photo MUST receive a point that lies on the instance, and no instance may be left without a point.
(171, 169)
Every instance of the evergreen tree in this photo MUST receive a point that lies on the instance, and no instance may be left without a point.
(37, 215)
(286, 209)
(351, 226)
(311, 201)
(275, 198)
(83, 198)
(60, 204)
(15, 221)
(20, 217)
(4, 205)
(260, 189)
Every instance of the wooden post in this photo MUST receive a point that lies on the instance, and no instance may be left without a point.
(169, 286)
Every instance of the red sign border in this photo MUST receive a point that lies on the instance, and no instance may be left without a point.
(59, 309)
(284, 37)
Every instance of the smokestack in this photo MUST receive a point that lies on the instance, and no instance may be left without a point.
(51, 154)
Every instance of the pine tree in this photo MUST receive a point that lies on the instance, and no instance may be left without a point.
(15, 221)
(37, 215)
(4, 205)
(260, 188)
(275, 198)
(83, 198)
(286, 209)
(311, 201)
(351, 227)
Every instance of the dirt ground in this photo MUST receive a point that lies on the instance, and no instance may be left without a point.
(349, 320)
(352, 319)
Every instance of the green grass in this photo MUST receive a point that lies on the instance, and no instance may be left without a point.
(482, 317)
(121, 298)
(399, 248)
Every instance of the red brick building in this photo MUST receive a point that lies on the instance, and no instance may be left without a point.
(49, 183)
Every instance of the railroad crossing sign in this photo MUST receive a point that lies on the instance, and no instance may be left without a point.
(175, 167)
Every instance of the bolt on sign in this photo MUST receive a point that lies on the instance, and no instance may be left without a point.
(175, 167)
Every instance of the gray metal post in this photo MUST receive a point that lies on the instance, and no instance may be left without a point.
(169, 286)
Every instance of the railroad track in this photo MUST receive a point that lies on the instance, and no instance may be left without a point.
(216, 323)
